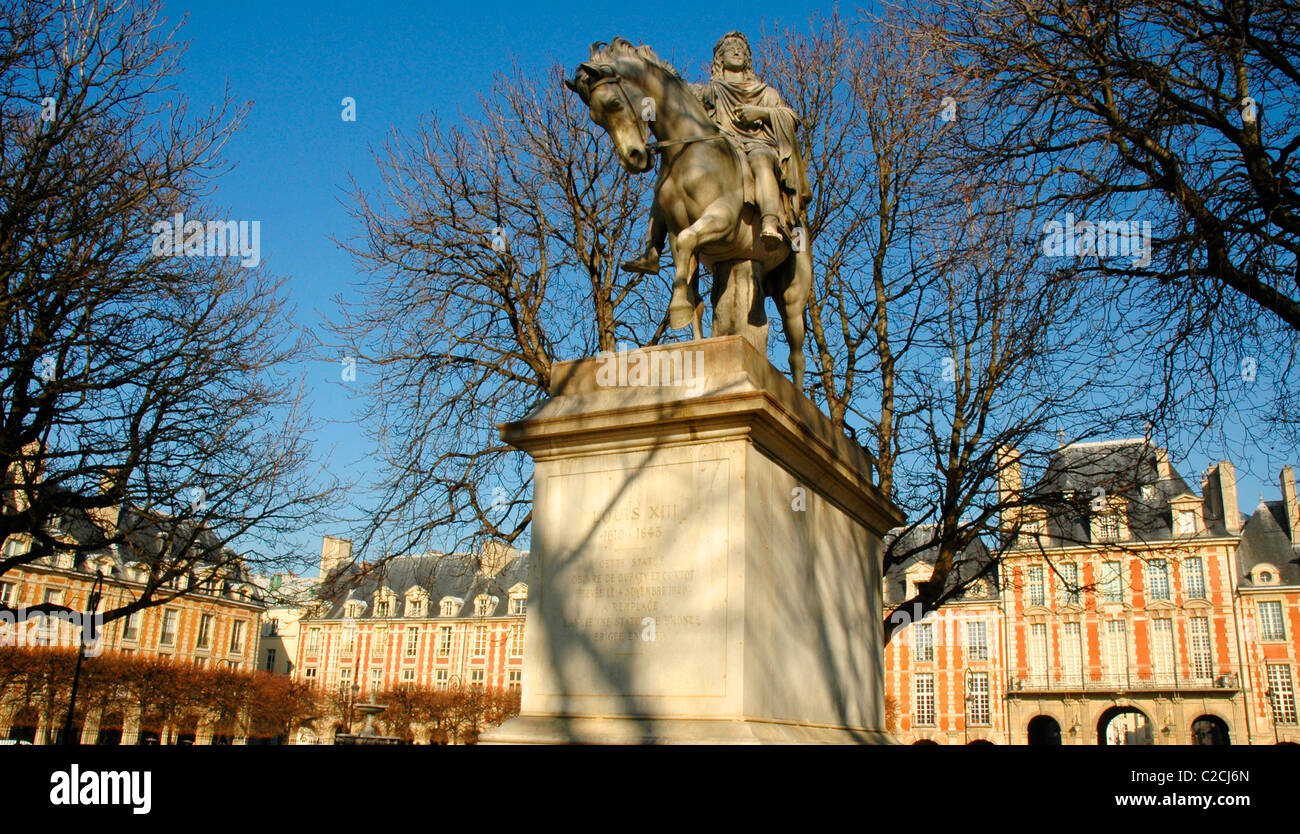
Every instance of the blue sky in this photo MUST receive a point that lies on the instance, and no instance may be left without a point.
(295, 62)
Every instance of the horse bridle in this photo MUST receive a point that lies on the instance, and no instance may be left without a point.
(654, 146)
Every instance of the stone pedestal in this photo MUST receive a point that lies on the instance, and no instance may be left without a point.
(706, 558)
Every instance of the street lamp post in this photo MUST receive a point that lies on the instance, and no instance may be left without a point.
(87, 628)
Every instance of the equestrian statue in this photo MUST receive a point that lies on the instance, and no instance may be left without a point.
(732, 187)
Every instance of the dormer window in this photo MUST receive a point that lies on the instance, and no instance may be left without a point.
(415, 606)
(449, 606)
(1105, 527)
(1186, 522)
(1186, 515)
(518, 600)
(353, 609)
(484, 605)
(383, 608)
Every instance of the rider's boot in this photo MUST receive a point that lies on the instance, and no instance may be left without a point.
(647, 264)
(771, 233)
(680, 310)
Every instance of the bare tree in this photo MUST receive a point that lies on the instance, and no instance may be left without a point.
(1181, 116)
(144, 412)
(499, 242)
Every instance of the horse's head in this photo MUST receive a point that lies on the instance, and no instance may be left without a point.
(615, 97)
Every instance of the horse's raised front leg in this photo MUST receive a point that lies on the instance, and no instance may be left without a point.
(714, 224)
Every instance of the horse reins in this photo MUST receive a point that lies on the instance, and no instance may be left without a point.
(655, 146)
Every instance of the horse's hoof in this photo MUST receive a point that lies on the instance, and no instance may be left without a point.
(771, 238)
(680, 310)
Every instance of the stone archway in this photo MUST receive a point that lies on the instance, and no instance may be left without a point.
(24, 725)
(1211, 730)
(925, 742)
(1126, 725)
(110, 729)
(1044, 731)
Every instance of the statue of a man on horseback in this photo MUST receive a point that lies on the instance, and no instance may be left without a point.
(753, 115)
(731, 186)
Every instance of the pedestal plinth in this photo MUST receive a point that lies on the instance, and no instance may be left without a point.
(706, 558)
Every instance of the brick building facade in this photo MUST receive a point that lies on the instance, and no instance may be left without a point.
(1126, 609)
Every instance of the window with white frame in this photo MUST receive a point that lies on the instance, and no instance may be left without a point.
(204, 640)
(270, 660)
(1036, 594)
(1117, 651)
(1162, 652)
(449, 607)
(977, 640)
(440, 678)
(444, 641)
(1106, 526)
(1194, 567)
(1069, 584)
(1186, 522)
(383, 607)
(1158, 578)
(1112, 582)
(353, 609)
(313, 640)
(484, 605)
(379, 642)
(480, 641)
(516, 678)
(349, 639)
(6, 593)
(476, 677)
(345, 677)
(310, 675)
(1281, 693)
(412, 640)
(979, 698)
(518, 605)
(1202, 658)
(237, 637)
(1271, 626)
(923, 647)
(408, 676)
(1072, 653)
(131, 628)
(415, 605)
(517, 640)
(924, 712)
(1039, 662)
(376, 679)
(168, 635)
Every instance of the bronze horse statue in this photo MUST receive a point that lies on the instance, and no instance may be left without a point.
(700, 196)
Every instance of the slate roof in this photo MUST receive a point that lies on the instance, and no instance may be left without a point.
(150, 538)
(440, 574)
(1265, 539)
(967, 565)
(1078, 473)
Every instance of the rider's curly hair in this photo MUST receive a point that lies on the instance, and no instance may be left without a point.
(717, 53)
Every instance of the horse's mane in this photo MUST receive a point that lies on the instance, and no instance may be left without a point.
(622, 48)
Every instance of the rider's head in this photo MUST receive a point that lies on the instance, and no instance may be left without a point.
(732, 52)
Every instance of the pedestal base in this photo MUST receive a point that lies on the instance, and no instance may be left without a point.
(538, 729)
(706, 558)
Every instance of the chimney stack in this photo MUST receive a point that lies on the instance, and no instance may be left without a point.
(1292, 508)
(335, 553)
(1219, 496)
